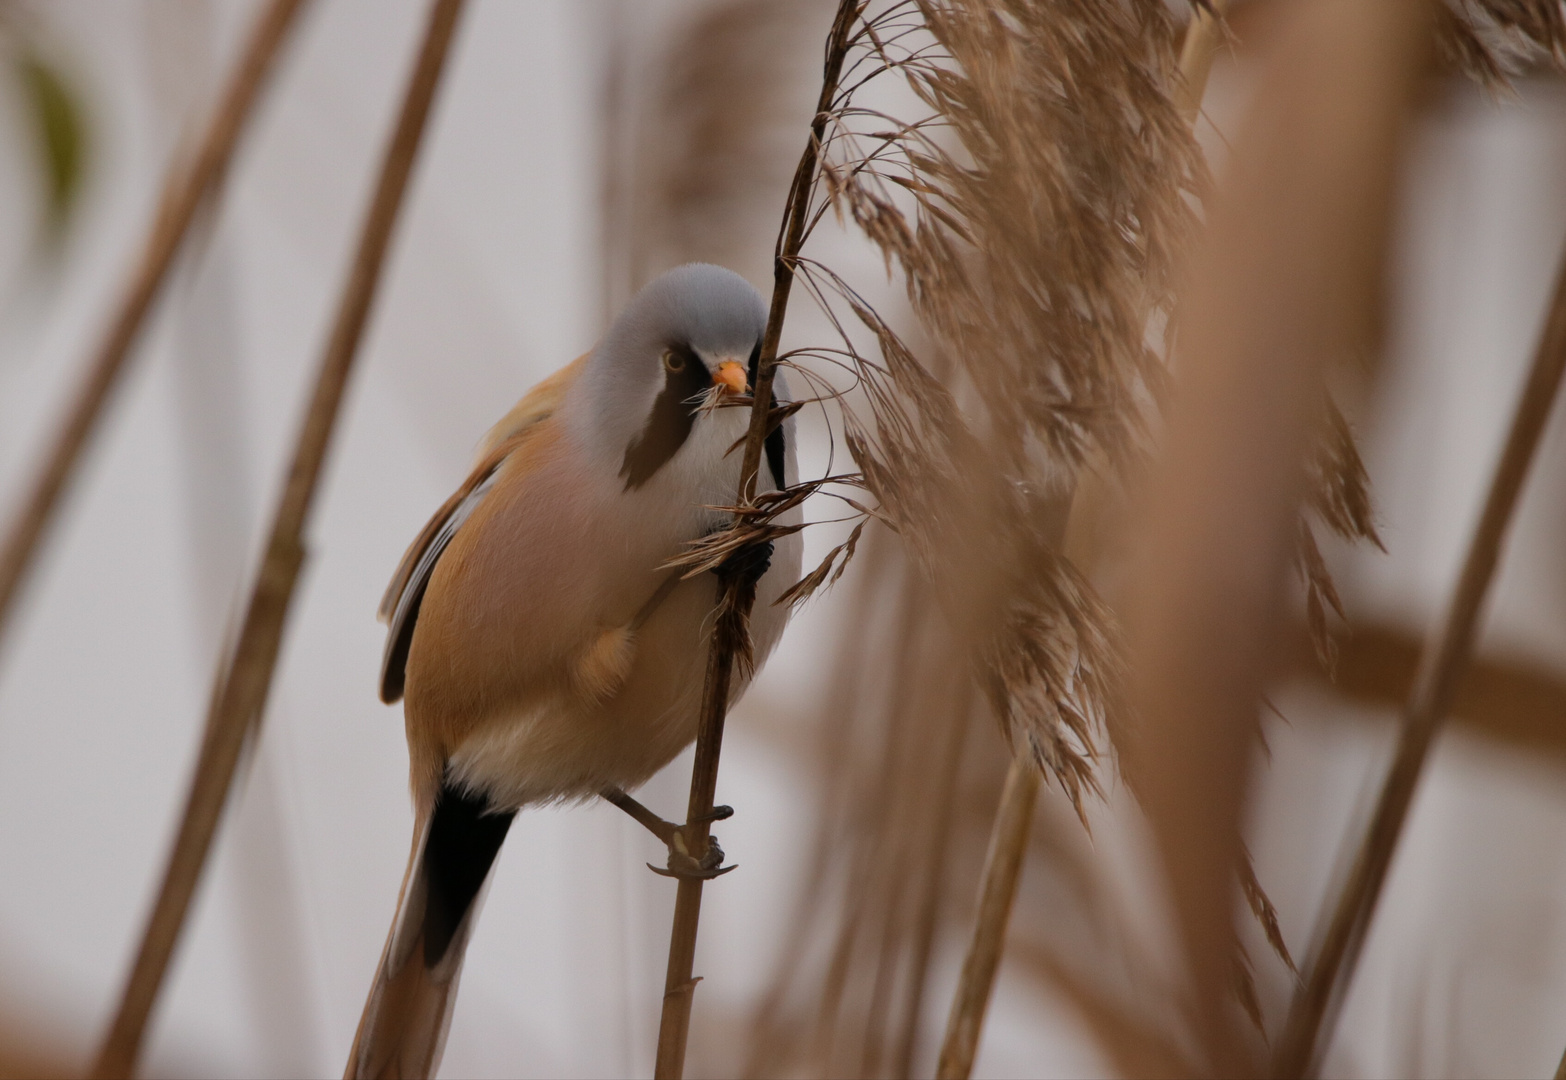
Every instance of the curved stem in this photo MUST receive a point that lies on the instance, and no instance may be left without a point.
(1009, 833)
(1002, 871)
(184, 189)
(240, 693)
(1313, 1012)
(735, 601)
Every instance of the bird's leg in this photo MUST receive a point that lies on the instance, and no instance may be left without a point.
(663, 830)
(681, 862)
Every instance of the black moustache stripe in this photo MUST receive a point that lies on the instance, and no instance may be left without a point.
(669, 424)
(774, 445)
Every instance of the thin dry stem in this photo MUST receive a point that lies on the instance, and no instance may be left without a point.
(1310, 1022)
(187, 184)
(736, 599)
(934, 882)
(1288, 280)
(1002, 870)
(1008, 838)
(240, 691)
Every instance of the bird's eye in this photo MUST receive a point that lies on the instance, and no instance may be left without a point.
(673, 361)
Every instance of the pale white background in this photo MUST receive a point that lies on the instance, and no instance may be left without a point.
(494, 280)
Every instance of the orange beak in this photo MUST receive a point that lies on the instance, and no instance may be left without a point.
(732, 376)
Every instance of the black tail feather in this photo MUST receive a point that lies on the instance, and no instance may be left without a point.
(405, 1019)
(463, 840)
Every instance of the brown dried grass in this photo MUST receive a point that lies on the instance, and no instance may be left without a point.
(1034, 218)
(1493, 40)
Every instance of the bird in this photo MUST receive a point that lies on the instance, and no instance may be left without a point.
(543, 649)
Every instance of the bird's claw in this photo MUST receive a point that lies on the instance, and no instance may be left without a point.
(748, 563)
(682, 864)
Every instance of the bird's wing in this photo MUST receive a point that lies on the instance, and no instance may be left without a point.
(399, 608)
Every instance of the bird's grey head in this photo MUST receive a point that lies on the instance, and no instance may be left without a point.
(695, 327)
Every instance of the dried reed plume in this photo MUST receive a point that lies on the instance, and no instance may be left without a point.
(1032, 214)
(1033, 246)
(1493, 40)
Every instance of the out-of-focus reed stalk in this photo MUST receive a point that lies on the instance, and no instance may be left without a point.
(1002, 869)
(240, 691)
(729, 638)
(951, 760)
(1331, 970)
(1009, 834)
(1070, 272)
(187, 184)
(1287, 278)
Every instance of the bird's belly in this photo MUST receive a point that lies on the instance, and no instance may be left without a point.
(569, 746)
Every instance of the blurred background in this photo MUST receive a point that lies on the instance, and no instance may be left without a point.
(578, 148)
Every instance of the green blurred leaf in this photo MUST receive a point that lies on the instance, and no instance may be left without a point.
(59, 130)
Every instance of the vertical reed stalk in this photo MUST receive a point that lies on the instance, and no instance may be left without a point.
(1002, 870)
(843, 704)
(934, 883)
(187, 183)
(1288, 278)
(875, 808)
(1009, 835)
(735, 601)
(1313, 1013)
(240, 692)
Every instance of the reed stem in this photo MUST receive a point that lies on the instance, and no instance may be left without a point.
(934, 885)
(240, 692)
(1313, 1013)
(1002, 871)
(736, 601)
(188, 182)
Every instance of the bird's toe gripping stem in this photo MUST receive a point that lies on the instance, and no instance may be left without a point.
(748, 563)
(682, 862)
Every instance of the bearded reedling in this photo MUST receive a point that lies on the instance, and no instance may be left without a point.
(544, 649)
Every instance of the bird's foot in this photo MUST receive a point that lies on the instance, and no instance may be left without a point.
(679, 839)
(682, 864)
(748, 564)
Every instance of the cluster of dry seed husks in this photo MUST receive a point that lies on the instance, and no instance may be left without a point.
(1034, 216)
(1034, 205)
(1493, 40)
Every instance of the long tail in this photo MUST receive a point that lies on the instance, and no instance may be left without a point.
(403, 1029)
